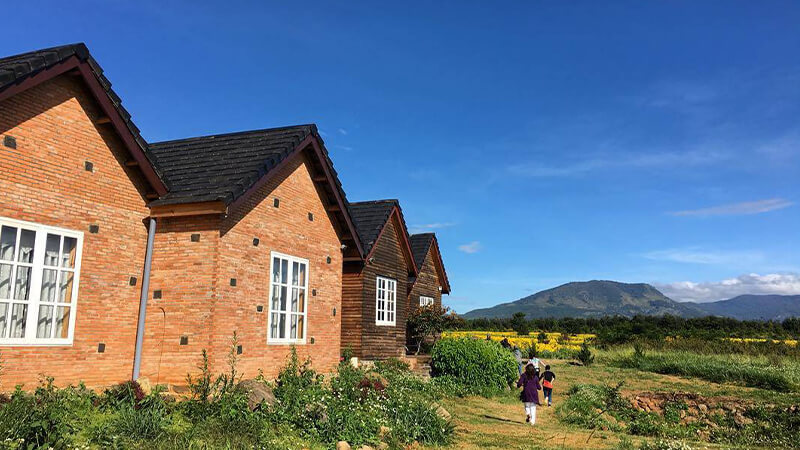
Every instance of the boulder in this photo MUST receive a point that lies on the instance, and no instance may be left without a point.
(342, 445)
(257, 392)
(144, 383)
(441, 412)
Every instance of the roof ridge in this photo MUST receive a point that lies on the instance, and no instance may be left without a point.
(385, 200)
(236, 133)
(74, 46)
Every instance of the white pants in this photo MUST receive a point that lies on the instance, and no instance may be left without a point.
(530, 409)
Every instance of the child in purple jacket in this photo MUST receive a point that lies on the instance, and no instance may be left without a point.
(529, 382)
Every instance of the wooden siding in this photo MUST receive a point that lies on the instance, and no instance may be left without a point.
(427, 283)
(372, 341)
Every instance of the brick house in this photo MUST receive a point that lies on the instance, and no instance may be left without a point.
(375, 289)
(245, 232)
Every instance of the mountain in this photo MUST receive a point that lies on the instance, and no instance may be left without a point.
(592, 299)
(754, 307)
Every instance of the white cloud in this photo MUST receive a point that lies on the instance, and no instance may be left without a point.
(429, 227)
(785, 284)
(735, 209)
(621, 161)
(343, 147)
(342, 131)
(694, 255)
(472, 247)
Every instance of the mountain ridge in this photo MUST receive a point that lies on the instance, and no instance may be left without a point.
(591, 299)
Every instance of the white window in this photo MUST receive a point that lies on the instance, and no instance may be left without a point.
(39, 271)
(385, 304)
(425, 301)
(288, 304)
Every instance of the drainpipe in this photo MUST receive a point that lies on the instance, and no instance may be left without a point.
(148, 258)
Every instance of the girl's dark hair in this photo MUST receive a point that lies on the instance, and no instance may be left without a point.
(547, 367)
(530, 371)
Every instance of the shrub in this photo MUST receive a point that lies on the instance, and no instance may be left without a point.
(129, 393)
(45, 418)
(585, 355)
(426, 322)
(482, 367)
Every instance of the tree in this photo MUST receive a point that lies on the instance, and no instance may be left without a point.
(520, 324)
(585, 355)
(428, 322)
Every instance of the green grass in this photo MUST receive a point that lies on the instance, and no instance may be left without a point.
(775, 374)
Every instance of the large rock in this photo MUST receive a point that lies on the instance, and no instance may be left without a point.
(441, 412)
(342, 445)
(257, 392)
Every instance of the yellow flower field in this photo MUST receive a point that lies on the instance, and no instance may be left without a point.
(790, 342)
(553, 342)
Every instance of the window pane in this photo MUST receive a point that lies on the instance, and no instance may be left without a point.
(301, 327)
(62, 322)
(301, 300)
(273, 330)
(65, 293)
(276, 296)
(294, 299)
(19, 313)
(8, 240)
(51, 250)
(282, 326)
(45, 323)
(293, 328)
(22, 287)
(5, 281)
(26, 242)
(276, 270)
(68, 252)
(3, 319)
(301, 277)
(284, 271)
(284, 299)
(295, 272)
(49, 285)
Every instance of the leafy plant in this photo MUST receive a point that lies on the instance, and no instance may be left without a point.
(585, 355)
(427, 322)
(482, 367)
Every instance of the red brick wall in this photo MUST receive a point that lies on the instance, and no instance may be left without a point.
(44, 181)
(285, 229)
(186, 274)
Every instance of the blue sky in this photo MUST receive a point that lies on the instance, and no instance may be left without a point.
(544, 142)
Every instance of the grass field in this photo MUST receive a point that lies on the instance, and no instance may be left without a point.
(499, 422)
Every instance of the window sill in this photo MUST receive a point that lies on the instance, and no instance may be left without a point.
(385, 324)
(7, 344)
(287, 342)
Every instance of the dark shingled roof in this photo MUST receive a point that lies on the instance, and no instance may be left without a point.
(420, 243)
(369, 219)
(16, 69)
(225, 166)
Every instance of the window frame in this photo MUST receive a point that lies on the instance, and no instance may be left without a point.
(37, 274)
(428, 301)
(384, 322)
(304, 314)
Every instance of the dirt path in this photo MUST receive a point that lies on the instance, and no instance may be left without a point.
(499, 423)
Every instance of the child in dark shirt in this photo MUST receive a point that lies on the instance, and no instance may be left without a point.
(548, 377)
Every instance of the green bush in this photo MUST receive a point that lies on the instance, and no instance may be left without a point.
(585, 355)
(716, 368)
(482, 367)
